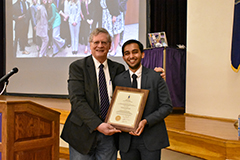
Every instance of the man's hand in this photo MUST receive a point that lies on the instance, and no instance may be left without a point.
(140, 128)
(107, 129)
(159, 69)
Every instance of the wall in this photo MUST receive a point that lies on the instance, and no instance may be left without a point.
(132, 15)
(212, 87)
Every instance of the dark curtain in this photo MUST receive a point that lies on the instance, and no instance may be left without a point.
(2, 40)
(169, 16)
(175, 70)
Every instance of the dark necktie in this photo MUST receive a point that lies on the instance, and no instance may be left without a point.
(24, 7)
(134, 82)
(104, 101)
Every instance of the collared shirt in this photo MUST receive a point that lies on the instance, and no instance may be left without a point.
(139, 76)
(107, 76)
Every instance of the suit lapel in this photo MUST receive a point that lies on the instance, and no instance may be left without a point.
(112, 69)
(144, 77)
(127, 79)
(92, 76)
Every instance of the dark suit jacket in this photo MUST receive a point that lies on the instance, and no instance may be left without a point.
(20, 24)
(113, 7)
(79, 129)
(158, 107)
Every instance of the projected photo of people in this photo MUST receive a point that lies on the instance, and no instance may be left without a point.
(61, 28)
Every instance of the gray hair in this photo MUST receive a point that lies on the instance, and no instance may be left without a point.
(96, 31)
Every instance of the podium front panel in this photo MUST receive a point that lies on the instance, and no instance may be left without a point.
(28, 130)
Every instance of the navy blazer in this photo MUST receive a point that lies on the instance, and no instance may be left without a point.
(158, 106)
(84, 118)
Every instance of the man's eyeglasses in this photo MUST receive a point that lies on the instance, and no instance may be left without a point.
(98, 42)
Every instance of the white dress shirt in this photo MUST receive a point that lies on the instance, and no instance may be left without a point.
(139, 75)
(107, 77)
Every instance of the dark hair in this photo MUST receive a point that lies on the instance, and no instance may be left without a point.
(140, 45)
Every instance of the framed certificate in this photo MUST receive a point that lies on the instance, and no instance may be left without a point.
(126, 108)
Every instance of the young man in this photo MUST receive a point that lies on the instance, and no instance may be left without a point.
(151, 135)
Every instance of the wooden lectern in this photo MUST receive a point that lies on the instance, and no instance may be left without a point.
(28, 131)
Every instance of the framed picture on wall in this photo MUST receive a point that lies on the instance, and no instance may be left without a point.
(158, 39)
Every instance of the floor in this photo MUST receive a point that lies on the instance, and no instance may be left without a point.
(170, 155)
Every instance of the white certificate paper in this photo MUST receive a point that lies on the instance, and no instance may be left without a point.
(126, 108)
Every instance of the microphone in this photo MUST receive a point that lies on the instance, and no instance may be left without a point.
(6, 77)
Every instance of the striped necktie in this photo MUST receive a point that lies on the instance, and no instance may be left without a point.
(104, 100)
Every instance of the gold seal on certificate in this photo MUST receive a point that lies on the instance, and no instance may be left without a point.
(126, 108)
(118, 118)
